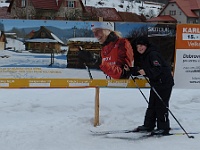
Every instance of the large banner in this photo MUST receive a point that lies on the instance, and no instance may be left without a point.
(187, 60)
(43, 53)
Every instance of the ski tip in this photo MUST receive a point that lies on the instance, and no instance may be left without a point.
(191, 136)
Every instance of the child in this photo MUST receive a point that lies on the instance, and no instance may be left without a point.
(153, 66)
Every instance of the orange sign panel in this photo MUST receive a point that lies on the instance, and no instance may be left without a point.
(188, 36)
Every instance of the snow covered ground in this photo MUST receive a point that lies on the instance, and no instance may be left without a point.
(12, 66)
(60, 119)
(136, 6)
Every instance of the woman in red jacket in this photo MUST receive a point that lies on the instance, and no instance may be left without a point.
(116, 51)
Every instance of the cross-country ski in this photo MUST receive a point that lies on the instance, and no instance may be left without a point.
(134, 134)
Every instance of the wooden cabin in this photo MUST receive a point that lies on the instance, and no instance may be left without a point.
(43, 41)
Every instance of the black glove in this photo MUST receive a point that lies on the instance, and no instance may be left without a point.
(134, 71)
(125, 74)
(85, 56)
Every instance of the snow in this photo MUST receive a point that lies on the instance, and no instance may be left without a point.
(14, 44)
(83, 39)
(3, 4)
(21, 62)
(56, 38)
(60, 119)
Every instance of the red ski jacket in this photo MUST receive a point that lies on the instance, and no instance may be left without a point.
(114, 56)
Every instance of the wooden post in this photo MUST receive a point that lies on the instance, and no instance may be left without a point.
(96, 115)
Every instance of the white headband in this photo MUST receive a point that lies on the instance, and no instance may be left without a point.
(103, 25)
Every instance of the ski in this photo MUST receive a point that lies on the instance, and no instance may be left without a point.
(121, 131)
(4, 56)
(128, 134)
(141, 136)
(135, 137)
(113, 132)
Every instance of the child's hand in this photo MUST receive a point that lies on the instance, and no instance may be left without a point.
(142, 72)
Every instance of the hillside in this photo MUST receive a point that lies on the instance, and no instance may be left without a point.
(147, 8)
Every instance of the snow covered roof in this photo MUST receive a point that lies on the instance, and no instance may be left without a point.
(50, 37)
(56, 38)
(42, 40)
(83, 39)
(4, 4)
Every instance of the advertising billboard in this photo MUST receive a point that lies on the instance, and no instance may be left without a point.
(44, 53)
(187, 60)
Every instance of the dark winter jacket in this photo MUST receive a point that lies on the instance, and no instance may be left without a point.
(156, 68)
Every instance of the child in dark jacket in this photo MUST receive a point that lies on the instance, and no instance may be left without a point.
(154, 67)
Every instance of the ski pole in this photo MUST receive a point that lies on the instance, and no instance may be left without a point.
(88, 69)
(189, 136)
(133, 78)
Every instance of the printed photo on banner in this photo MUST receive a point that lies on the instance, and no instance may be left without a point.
(45, 49)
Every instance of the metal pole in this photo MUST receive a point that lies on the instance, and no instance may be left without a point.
(139, 89)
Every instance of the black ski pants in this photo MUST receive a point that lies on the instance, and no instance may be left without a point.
(157, 112)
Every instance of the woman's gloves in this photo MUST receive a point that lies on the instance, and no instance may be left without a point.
(85, 56)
